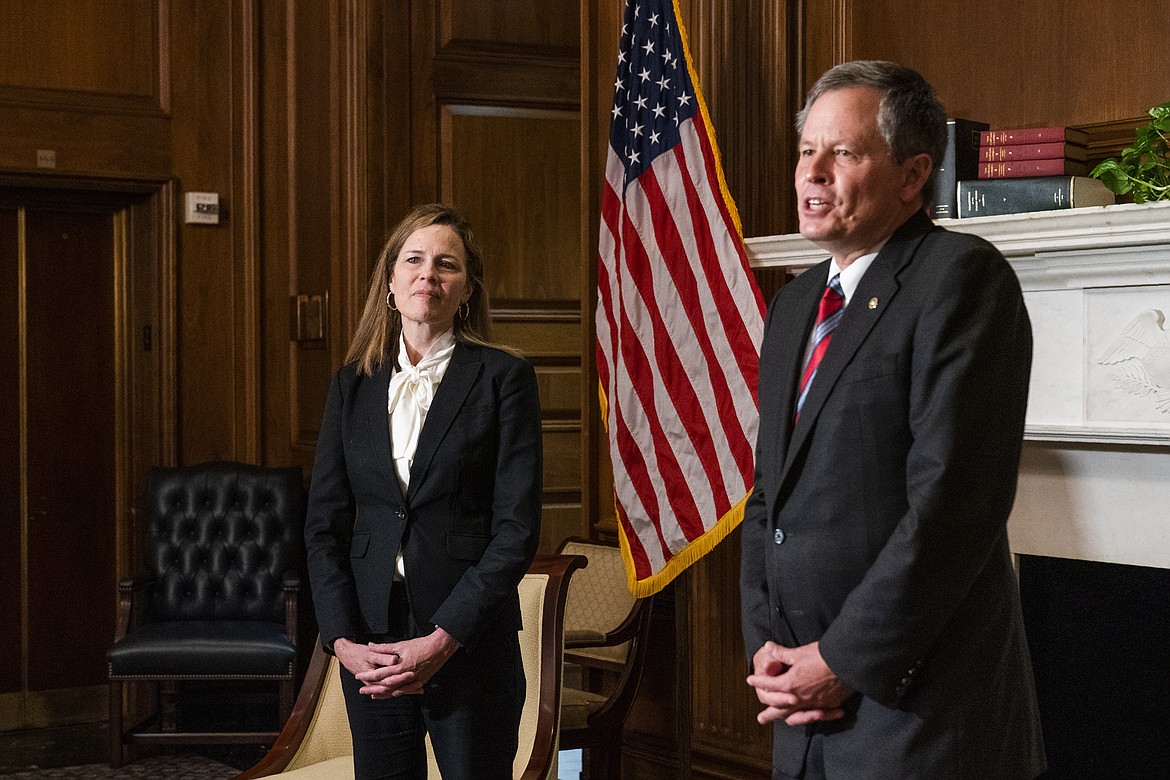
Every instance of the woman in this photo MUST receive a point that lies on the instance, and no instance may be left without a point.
(424, 513)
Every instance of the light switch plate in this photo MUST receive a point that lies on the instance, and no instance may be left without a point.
(202, 208)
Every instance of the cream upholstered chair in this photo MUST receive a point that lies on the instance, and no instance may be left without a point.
(606, 631)
(315, 743)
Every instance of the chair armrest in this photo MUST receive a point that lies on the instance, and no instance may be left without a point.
(583, 637)
(637, 631)
(559, 569)
(127, 592)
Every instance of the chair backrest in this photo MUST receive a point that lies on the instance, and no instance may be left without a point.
(533, 593)
(599, 601)
(222, 538)
(316, 742)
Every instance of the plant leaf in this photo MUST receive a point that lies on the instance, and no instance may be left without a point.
(1144, 166)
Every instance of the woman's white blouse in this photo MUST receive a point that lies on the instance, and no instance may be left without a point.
(412, 388)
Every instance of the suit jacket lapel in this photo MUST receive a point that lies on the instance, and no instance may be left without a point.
(374, 399)
(877, 289)
(461, 373)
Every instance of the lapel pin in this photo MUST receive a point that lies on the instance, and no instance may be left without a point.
(873, 303)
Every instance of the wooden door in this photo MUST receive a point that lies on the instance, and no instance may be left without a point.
(63, 353)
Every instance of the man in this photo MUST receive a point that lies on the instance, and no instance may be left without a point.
(879, 602)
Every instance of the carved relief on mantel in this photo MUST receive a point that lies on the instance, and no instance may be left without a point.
(1097, 285)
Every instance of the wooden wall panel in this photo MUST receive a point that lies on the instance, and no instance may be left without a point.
(526, 156)
(560, 391)
(1046, 62)
(508, 131)
(531, 22)
(657, 738)
(303, 139)
(601, 21)
(215, 135)
(83, 89)
(723, 708)
(82, 143)
(12, 652)
(551, 343)
(822, 38)
(203, 162)
(741, 56)
(52, 47)
(337, 174)
(562, 463)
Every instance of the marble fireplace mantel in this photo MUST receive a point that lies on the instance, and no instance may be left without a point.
(1095, 474)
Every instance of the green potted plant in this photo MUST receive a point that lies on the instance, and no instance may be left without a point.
(1144, 167)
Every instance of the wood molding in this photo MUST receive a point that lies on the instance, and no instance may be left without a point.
(82, 102)
(120, 146)
(600, 23)
(162, 31)
(353, 128)
(743, 60)
(483, 72)
(538, 311)
(245, 224)
(113, 101)
(150, 244)
(723, 707)
(166, 319)
(824, 37)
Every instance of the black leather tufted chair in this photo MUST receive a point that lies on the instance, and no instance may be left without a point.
(219, 601)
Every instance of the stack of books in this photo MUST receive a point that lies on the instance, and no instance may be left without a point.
(1030, 169)
(1034, 151)
(960, 161)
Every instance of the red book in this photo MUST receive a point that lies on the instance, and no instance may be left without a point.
(1049, 151)
(1057, 166)
(1033, 135)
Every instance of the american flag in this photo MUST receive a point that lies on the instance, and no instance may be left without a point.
(679, 316)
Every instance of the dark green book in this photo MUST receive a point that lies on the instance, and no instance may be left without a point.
(987, 197)
(960, 161)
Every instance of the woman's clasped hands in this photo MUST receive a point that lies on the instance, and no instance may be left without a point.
(396, 668)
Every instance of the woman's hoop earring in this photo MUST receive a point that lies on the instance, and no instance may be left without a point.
(390, 301)
(464, 310)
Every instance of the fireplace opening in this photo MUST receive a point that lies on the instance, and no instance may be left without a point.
(1099, 635)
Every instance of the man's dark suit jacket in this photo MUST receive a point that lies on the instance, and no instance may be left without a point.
(877, 525)
(469, 524)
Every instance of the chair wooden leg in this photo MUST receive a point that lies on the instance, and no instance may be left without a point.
(286, 701)
(115, 725)
(168, 707)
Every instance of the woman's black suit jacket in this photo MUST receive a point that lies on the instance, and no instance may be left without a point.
(469, 524)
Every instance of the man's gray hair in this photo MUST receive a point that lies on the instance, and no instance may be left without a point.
(910, 118)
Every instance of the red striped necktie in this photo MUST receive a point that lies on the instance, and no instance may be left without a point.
(828, 315)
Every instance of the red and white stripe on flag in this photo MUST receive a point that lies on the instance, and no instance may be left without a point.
(679, 315)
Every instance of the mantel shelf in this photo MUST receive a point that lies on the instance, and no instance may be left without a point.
(1021, 237)
(1086, 273)
(1092, 477)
